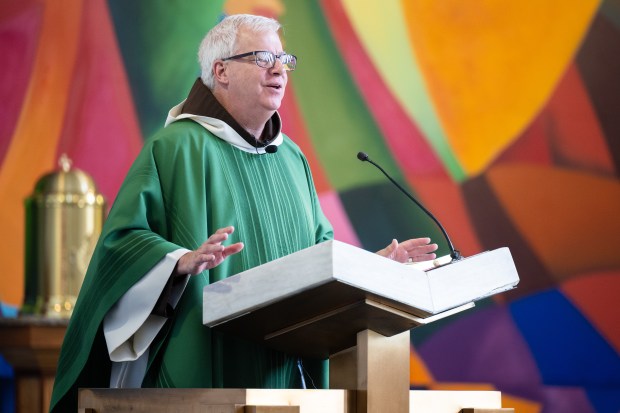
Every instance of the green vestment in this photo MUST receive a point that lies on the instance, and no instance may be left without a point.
(185, 184)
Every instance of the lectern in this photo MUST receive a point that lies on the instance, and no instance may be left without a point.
(356, 308)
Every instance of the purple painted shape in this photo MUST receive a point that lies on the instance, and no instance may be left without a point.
(566, 400)
(483, 346)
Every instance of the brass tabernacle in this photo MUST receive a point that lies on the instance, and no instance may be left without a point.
(64, 217)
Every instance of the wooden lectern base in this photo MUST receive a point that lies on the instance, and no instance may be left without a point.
(214, 401)
(274, 401)
(372, 377)
(378, 368)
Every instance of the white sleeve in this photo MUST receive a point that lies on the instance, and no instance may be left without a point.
(129, 327)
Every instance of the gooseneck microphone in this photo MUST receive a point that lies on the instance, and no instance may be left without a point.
(455, 254)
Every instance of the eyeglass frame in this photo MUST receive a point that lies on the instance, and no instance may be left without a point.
(275, 56)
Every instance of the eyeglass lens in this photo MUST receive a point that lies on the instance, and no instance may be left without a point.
(267, 60)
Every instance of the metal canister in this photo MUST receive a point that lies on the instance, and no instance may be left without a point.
(64, 217)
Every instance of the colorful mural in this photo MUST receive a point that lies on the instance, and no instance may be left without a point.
(503, 118)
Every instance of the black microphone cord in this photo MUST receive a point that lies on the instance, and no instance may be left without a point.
(455, 254)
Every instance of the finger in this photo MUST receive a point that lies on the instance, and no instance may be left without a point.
(393, 247)
(425, 249)
(415, 242)
(232, 249)
(214, 240)
(202, 258)
(195, 263)
(211, 248)
(425, 257)
(422, 256)
(226, 230)
(217, 238)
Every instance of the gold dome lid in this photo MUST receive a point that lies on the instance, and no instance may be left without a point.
(67, 186)
(66, 180)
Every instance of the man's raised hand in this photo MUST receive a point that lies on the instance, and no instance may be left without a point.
(209, 255)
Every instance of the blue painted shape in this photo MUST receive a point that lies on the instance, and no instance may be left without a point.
(7, 387)
(567, 349)
(605, 400)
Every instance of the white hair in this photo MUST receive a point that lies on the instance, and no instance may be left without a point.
(221, 40)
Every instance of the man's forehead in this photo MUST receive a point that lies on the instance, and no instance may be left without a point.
(247, 36)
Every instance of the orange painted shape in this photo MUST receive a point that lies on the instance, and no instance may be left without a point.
(520, 404)
(569, 218)
(268, 8)
(464, 386)
(596, 297)
(490, 66)
(419, 375)
(32, 149)
(576, 135)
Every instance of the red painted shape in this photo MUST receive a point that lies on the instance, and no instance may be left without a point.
(577, 139)
(532, 146)
(20, 23)
(423, 170)
(566, 132)
(408, 146)
(100, 132)
(596, 296)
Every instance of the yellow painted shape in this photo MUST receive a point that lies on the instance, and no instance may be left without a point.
(491, 65)
(381, 28)
(569, 218)
(32, 151)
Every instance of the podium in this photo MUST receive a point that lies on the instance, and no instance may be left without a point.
(354, 307)
(340, 302)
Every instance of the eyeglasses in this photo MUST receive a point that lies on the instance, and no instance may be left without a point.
(267, 60)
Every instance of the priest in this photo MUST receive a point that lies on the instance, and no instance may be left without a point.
(219, 190)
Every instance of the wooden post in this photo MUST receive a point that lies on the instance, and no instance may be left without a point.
(378, 368)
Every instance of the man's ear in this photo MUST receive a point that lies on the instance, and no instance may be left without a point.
(220, 73)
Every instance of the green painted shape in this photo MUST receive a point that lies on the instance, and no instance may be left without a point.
(338, 122)
(159, 43)
(337, 119)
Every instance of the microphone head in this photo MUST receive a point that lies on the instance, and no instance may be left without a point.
(362, 156)
(271, 149)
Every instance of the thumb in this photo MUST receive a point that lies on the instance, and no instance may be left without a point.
(391, 249)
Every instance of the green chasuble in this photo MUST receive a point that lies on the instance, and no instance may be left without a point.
(185, 184)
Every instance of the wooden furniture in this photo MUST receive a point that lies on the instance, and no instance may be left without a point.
(31, 345)
(274, 401)
(214, 401)
(332, 300)
(355, 307)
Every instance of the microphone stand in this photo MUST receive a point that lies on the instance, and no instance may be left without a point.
(454, 253)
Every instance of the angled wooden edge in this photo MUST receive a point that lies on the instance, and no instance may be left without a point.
(272, 409)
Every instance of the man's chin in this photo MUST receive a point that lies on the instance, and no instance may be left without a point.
(273, 104)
